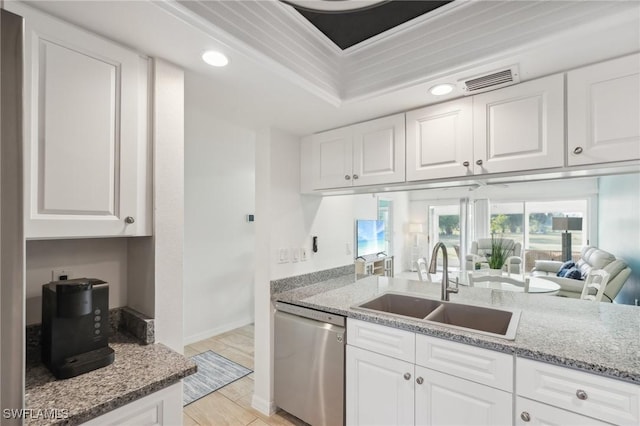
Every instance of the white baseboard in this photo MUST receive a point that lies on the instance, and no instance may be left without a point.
(218, 330)
(265, 407)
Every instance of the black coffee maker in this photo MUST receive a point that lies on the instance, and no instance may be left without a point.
(75, 326)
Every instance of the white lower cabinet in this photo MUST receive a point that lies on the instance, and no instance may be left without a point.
(441, 399)
(162, 408)
(576, 395)
(380, 389)
(402, 390)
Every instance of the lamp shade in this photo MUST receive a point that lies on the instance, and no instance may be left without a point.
(415, 228)
(566, 224)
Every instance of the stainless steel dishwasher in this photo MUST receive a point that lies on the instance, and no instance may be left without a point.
(309, 364)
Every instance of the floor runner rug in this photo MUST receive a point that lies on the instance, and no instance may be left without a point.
(214, 372)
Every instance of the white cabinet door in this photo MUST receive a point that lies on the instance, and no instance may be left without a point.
(379, 389)
(163, 407)
(603, 110)
(520, 127)
(440, 141)
(85, 122)
(532, 413)
(446, 400)
(332, 154)
(378, 151)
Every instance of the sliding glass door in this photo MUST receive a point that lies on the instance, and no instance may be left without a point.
(530, 223)
(445, 226)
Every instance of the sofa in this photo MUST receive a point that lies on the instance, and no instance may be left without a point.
(481, 248)
(590, 258)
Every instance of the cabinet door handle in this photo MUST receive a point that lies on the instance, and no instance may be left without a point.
(525, 416)
(347, 177)
(129, 220)
(581, 394)
(479, 162)
(466, 164)
(578, 150)
(407, 376)
(355, 177)
(419, 380)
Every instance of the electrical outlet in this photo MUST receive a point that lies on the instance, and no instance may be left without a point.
(61, 274)
(303, 254)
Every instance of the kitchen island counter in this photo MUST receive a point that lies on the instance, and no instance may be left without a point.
(600, 338)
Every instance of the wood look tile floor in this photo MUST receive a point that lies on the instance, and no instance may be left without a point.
(231, 405)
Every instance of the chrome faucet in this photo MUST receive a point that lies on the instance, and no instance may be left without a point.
(445, 289)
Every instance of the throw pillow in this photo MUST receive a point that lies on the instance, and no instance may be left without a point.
(565, 267)
(573, 273)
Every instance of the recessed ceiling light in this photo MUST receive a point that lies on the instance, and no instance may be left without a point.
(214, 58)
(441, 89)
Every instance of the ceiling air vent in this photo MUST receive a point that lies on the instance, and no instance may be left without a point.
(491, 81)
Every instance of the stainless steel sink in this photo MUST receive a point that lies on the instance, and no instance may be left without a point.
(496, 322)
(501, 323)
(401, 304)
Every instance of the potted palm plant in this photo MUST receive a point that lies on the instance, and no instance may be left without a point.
(498, 256)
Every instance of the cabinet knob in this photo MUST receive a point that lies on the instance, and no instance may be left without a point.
(525, 416)
(581, 394)
(466, 164)
(129, 220)
(578, 150)
(347, 177)
(407, 376)
(419, 380)
(479, 162)
(355, 177)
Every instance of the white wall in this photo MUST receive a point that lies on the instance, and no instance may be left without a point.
(219, 243)
(103, 258)
(619, 227)
(287, 220)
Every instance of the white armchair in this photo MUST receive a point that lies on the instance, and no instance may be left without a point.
(481, 248)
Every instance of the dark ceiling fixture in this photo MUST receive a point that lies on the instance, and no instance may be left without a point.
(346, 26)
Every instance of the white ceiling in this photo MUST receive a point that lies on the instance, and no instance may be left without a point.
(284, 73)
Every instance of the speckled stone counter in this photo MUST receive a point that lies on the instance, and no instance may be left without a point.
(600, 338)
(138, 370)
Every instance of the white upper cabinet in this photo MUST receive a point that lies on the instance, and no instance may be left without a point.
(332, 154)
(363, 154)
(603, 112)
(440, 141)
(85, 133)
(520, 127)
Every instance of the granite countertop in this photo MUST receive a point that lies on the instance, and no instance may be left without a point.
(138, 370)
(600, 338)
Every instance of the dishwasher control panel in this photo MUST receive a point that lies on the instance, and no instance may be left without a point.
(311, 313)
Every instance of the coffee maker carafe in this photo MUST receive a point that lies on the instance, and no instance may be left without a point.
(75, 326)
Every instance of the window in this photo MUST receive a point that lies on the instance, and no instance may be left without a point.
(530, 223)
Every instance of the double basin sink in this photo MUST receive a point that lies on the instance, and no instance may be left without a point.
(477, 319)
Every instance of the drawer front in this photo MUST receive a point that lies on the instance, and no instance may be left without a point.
(532, 413)
(480, 365)
(384, 340)
(606, 399)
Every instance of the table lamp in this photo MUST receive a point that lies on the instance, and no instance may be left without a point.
(566, 224)
(415, 228)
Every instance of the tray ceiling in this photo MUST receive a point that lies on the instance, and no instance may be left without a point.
(348, 28)
(457, 38)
